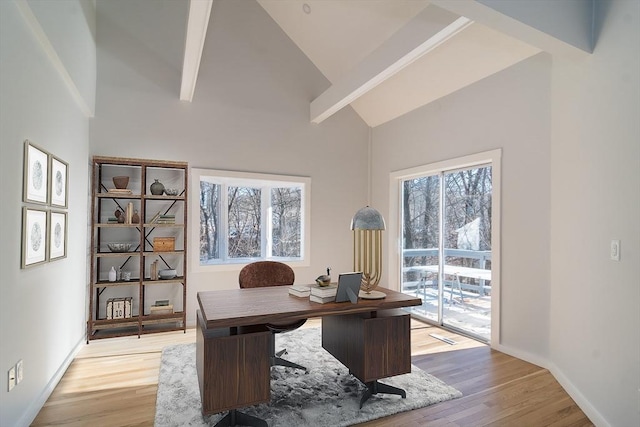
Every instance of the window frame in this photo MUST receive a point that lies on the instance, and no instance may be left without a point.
(254, 180)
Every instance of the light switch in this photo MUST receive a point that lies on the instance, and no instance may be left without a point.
(615, 250)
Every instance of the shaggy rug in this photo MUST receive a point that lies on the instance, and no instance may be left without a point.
(327, 396)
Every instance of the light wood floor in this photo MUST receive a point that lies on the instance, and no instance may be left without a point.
(113, 382)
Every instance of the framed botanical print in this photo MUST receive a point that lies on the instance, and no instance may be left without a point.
(36, 163)
(58, 177)
(57, 235)
(34, 236)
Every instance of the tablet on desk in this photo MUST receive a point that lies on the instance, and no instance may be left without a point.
(348, 287)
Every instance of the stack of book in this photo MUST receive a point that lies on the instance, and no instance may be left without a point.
(119, 191)
(323, 294)
(302, 291)
(162, 307)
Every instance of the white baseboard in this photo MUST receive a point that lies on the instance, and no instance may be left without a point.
(579, 398)
(584, 404)
(36, 405)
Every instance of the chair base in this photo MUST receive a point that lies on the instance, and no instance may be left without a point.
(278, 361)
(375, 387)
(234, 418)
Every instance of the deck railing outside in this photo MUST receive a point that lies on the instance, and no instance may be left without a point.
(461, 257)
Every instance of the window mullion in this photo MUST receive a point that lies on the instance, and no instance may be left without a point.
(224, 223)
(266, 222)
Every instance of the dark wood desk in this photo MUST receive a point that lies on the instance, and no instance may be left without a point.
(371, 338)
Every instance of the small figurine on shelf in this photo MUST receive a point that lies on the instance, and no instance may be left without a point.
(135, 218)
(119, 215)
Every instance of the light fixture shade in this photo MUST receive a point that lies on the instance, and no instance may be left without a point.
(367, 218)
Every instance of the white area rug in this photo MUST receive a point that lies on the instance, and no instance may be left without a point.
(327, 396)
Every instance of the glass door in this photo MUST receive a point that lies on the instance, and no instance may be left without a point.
(446, 247)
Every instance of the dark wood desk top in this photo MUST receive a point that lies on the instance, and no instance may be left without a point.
(243, 307)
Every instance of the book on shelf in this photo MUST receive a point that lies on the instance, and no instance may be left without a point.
(119, 191)
(155, 218)
(300, 291)
(321, 300)
(161, 309)
(324, 291)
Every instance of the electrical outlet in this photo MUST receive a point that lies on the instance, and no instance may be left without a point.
(11, 377)
(19, 372)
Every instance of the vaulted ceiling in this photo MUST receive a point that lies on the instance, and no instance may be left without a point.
(388, 57)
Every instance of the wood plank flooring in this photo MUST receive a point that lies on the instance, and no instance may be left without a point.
(113, 383)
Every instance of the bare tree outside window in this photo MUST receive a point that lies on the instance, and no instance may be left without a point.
(286, 221)
(467, 220)
(240, 221)
(209, 221)
(244, 215)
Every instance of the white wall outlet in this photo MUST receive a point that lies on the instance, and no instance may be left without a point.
(615, 250)
(11, 378)
(19, 372)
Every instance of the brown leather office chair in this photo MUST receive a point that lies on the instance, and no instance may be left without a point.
(271, 273)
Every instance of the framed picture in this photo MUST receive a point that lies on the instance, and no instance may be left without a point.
(36, 164)
(57, 235)
(34, 236)
(58, 177)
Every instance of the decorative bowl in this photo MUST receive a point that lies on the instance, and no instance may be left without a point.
(167, 273)
(171, 191)
(121, 182)
(119, 247)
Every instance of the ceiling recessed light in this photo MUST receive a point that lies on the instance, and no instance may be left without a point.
(306, 8)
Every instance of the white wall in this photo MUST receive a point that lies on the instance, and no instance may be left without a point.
(509, 110)
(595, 195)
(570, 134)
(42, 308)
(249, 113)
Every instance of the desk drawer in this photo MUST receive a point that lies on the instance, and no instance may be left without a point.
(233, 370)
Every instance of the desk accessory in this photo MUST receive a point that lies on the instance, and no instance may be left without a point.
(321, 300)
(324, 291)
(302, 291)
(325, 279)
(367, 225)
(348, 287)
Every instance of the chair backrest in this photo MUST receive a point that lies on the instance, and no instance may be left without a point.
(266, 273)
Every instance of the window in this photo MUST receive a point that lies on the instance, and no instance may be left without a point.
(448, 241)
(244, 217)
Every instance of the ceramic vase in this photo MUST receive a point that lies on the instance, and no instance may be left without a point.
(157, 188)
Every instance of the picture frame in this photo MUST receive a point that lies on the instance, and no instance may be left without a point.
(34, 236)
(57, 235)
(58, 182)
(36, 165)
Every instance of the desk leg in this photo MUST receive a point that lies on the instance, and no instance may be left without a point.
(375, 387)
(234, 418)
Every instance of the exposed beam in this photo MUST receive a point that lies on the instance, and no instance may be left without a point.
(197, 23)
(561, 27)
(425, 32)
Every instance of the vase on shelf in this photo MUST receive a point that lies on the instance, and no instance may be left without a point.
(157, 188)
(135, 218)
(112, 274)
